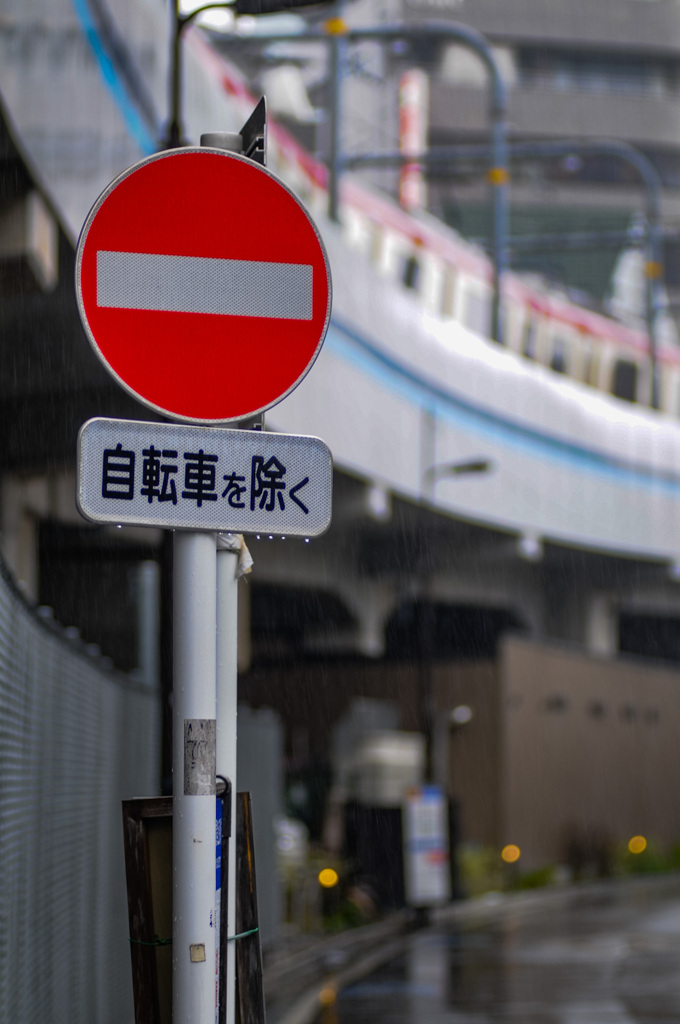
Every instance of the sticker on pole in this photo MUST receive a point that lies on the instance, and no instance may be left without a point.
(203, 285)
(203, 478)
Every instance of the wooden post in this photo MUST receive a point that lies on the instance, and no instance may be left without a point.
(250, 993)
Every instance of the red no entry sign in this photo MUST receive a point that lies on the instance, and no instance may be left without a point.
(203, 285)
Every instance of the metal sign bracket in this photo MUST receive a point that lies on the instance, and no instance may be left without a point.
(254, 134)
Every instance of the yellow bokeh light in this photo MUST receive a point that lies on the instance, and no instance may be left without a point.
(327, 996)
(328, 878)
(510, 853)
(335, 27)
(637, 844)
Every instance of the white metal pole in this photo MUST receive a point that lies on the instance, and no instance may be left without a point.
(194, 752)
(228, 546)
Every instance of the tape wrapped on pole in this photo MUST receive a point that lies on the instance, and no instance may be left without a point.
(236, 542)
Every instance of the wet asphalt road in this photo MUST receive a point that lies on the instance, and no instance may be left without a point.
(609, 956)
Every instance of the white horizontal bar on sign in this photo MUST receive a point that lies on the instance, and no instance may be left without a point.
(194, 284)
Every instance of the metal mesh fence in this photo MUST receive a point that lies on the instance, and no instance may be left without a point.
(75, 739)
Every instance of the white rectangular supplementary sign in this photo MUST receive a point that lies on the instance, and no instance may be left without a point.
(203, 478)
(195, 284)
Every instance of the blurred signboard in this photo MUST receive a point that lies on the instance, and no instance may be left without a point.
(425, 824)
(203, 478)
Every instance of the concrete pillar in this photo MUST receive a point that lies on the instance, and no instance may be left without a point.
(148, 623)
(371, 629)
(601, 625)
(24, 500)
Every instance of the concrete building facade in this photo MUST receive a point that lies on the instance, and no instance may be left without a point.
(565, 754)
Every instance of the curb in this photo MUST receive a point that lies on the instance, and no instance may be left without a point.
(392, 935)
(328, 963)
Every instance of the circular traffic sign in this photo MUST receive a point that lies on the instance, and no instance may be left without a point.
(203, 285)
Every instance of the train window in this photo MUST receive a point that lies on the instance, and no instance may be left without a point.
(477, 312)
(558, 361)
(358, 232)
(587, 359)
(432, 284)
(507, 317)
(395, 256)
(411, 272)
(377, 240)
(449, 293)
(624, 382)
(593, 375)
(529, 339)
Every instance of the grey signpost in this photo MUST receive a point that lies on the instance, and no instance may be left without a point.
(208, 483)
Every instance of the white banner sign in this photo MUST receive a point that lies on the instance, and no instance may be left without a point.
(203, 478)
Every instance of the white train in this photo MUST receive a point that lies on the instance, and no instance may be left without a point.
(452, 279)
(409, 379)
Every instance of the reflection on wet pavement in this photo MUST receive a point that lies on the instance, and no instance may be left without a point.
(609, 957)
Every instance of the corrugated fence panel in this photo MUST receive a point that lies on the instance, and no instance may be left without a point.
(75, 740)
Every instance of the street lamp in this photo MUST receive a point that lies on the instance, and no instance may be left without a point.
(457, 468)
(442, 470)
(426, 618)
(181, 21)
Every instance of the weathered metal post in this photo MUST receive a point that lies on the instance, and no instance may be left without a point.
(194, 785)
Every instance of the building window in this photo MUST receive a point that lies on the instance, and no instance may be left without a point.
(596, 709)
(556, 702)
(598, 72)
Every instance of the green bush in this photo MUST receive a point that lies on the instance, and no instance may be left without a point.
(653, 860)
(481, 869)
(536, 879)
